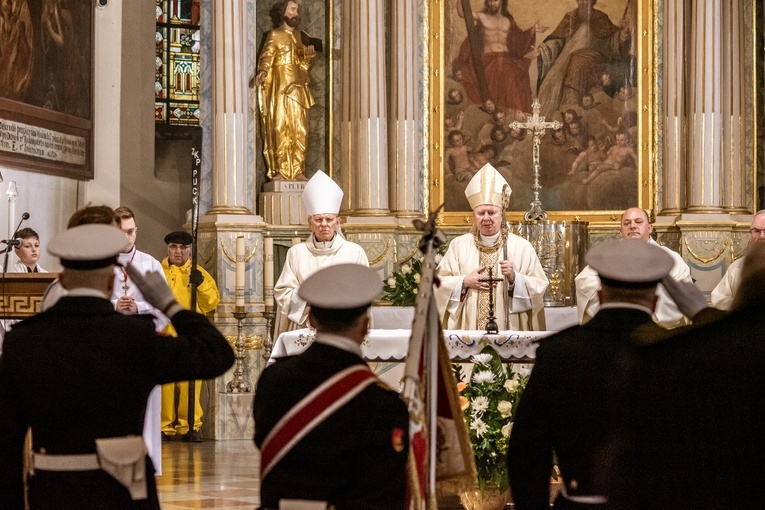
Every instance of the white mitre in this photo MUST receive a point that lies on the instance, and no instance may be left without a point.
(487, 187)
(322, 195)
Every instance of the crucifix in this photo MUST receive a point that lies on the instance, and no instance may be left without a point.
(491, 321)
(537, 125)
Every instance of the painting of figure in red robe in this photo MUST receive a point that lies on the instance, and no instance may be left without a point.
(578, 58)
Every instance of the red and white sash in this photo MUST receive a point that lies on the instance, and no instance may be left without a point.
(313, 409)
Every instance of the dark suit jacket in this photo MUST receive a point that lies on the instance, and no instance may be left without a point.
(350, 459)
(568, 406)
(81, 371)
(696, 435)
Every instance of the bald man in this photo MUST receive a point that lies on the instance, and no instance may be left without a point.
(634, 225)
(722, 295)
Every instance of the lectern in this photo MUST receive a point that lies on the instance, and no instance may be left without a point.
(21, 293)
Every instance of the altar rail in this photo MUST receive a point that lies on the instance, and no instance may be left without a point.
(392, 344)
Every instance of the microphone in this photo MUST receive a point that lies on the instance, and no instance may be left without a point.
(11, 242)
(24, 216)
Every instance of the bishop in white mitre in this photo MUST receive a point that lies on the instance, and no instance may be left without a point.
(324, 247)
(463, 297)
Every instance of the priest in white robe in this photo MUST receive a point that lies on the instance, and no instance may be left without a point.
(722, 295)
(634, 225)
(463, 297)
(324, 247)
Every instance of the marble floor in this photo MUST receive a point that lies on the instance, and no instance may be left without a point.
(212, 474)
(223, 475)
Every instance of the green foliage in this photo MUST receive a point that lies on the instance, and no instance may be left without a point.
(400, 289)
(489, 400)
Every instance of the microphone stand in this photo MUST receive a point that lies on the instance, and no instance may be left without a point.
(24, 216)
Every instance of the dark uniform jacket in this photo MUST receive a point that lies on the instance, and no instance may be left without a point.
(356, 458)
(568, 407)
(696, 436)
(81, 371)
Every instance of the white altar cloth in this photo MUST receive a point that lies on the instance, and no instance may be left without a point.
(392, 344)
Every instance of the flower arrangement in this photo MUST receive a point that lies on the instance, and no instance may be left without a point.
(489, 400)
(400, 289)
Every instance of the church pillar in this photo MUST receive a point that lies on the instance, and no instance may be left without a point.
(673, 198)
(363, 120)
(230, 192)
(405, 128)
(734, 90)
(706, 114)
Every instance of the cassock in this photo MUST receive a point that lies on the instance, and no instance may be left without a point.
(666, 313)
(722, 295)
(470, 311)
(302, 261)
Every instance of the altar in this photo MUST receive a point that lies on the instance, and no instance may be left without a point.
(392, 344)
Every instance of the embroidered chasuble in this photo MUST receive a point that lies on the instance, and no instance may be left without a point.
(467, 253)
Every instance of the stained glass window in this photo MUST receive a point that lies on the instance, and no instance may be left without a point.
(176, 83)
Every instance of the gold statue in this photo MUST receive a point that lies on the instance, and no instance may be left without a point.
(283, 94)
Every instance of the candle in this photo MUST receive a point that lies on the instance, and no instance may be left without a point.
(296, 239)
(239, 281)
(268, 271)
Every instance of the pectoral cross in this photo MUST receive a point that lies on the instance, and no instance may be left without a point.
(491, 322)
(537, 125)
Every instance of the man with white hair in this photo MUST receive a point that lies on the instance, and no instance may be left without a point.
(722, 295)
(325, 247)
(464, 295)
(634, 225)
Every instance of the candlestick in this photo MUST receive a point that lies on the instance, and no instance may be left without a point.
(239, 281)
(268, 271)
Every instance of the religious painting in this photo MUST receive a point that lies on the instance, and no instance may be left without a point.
(46, 100)
(580, 59)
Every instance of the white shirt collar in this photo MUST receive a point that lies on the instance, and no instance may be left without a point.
(340, 342)
(86, 291)
(620, 304)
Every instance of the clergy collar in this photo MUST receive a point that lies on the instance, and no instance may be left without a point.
(340, 342)
(323, 245)
(490, 240)
(125, 258)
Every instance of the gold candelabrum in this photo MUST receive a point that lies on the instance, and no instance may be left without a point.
(268, 343)
(241, 381)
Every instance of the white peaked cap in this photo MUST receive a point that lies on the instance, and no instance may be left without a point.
(341, 287)
(322, 195)
(485, 188)
(90, 246)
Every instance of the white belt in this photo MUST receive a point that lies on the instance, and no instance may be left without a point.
(586, 500)
(86, 462)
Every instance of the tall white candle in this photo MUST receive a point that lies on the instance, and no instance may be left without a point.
(239, 282)
(296, 239)
(268, 271)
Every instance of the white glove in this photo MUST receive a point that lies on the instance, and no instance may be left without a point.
(154, 288)
(688, 298)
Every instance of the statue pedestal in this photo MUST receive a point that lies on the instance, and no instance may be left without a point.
(280, 203)
(235, 419)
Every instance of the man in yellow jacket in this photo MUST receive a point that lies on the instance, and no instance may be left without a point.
(180, 276)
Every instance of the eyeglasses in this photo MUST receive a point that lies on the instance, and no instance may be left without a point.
(757, 231)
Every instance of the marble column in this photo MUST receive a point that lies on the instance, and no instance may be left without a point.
(705, 169)
(230, 192)
(673, 177)
(735, 86)
(405, 129)
(363, 118)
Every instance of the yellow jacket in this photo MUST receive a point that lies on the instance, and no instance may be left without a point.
(178, 280)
